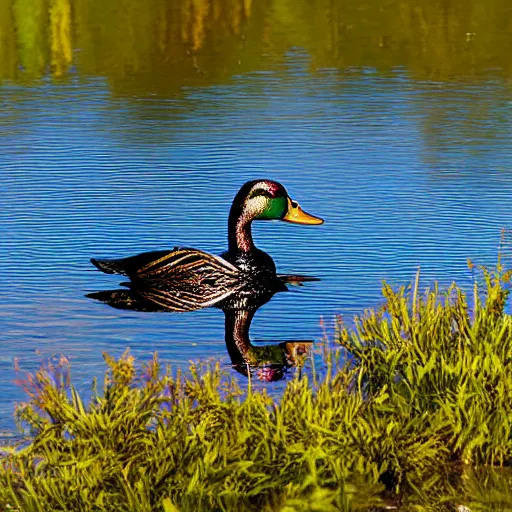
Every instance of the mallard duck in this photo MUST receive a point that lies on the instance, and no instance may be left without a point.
(191, 279)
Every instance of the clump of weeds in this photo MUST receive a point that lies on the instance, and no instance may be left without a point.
(414, 412)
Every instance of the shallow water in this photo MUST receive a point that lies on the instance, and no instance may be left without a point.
(128, 131)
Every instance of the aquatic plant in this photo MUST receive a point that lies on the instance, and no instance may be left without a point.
(414, 402)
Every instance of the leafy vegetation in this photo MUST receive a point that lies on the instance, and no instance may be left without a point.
(414, 411)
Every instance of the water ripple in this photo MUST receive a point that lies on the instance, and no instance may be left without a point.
(407, 174)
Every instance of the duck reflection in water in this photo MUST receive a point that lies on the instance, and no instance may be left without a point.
(264, 361)
(267, 362)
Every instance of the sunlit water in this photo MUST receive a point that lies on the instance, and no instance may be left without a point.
(407, 172)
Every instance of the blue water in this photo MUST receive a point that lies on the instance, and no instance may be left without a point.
(406, 174)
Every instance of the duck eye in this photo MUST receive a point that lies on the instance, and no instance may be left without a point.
(294, 204)
(261, 192)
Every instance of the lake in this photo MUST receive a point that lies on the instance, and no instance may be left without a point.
(130, 127)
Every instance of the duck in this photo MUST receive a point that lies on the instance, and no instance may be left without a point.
(189, 278)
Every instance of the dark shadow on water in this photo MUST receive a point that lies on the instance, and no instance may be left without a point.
(268, 361)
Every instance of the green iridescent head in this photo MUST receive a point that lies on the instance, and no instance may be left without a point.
(268, 200)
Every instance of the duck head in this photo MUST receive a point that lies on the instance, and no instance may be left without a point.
(262, 200)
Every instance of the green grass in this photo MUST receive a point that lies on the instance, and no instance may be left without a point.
(414, 410)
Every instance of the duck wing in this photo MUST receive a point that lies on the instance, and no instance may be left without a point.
(187, 279)
(155, 264)
(180, 280)
(128, 266)
(184, 261)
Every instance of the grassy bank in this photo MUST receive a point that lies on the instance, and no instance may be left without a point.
(414, 411)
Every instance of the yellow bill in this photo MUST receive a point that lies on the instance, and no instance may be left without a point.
(297, 215)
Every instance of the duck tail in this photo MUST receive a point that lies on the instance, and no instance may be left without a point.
(109, 266)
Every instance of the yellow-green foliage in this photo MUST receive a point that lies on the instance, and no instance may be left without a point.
(410, 409)
(446, 359)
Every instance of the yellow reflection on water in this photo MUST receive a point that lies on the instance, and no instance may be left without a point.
(183, 41)
(28, 44)
(60, 36)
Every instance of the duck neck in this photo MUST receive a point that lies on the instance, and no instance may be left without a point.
(239, 232)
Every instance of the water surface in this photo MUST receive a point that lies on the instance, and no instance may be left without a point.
(130, 129)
